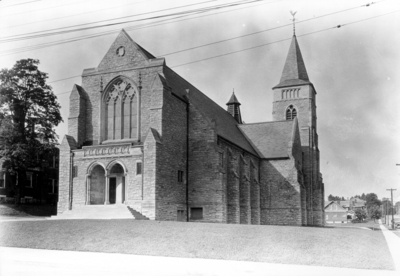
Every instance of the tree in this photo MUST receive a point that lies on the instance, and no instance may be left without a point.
(376, 213)
(360, 214)
(29, 111)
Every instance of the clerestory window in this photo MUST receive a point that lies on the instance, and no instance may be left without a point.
(291, 113)
(121, 110)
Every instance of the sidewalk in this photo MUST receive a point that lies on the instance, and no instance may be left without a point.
(393, 242)
(21, 261)
(22, 218)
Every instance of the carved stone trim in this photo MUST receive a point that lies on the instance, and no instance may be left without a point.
(108, 150)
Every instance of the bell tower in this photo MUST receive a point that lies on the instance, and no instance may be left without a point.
(294, 96)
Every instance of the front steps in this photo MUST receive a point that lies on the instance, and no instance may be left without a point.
(113, 211)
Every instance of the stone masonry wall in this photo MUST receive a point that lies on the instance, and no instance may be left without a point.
(170, 192)
(64, 176)
(280, 193)
(205, 180)
(240, 175)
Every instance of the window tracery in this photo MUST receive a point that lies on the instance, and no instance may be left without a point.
(121, 110)
(291, 113)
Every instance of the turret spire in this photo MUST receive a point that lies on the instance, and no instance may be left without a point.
(234, 108)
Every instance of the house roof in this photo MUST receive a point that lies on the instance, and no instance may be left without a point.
(225, 124)
(271, 139)
(340, 208)
(345, 203)
(294, 72)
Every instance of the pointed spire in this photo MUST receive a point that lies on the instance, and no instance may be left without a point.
(234, 108)
(294, 71)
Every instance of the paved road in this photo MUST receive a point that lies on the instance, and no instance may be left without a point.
(19, 261)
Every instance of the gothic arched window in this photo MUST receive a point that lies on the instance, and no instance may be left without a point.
(121, 110)
(291, 113)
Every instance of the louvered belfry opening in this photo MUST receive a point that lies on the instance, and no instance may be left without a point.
(291, 113)
(234, 108)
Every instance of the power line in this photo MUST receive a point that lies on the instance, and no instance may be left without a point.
(30, 11)
(77, 14)
(258, 46)
(56, 30)
(109, 32)
(168, 21)
(20, 4)
(262, 45)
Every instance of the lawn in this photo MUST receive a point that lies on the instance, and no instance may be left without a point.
(339, 247)
(370, 224)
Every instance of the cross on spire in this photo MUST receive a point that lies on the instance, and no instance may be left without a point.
(293, 20)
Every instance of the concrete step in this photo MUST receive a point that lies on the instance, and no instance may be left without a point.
(113, 211)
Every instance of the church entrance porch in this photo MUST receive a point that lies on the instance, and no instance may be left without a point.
(106, 186)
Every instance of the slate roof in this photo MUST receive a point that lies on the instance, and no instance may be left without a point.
(294, 71)
(225, 125)
(271, 139)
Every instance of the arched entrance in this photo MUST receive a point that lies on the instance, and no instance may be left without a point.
(116, 182)
(97, 185)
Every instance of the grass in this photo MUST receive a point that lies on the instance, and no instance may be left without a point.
(366, 224)
(339, 247)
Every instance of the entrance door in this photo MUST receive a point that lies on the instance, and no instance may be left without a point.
(113, 187)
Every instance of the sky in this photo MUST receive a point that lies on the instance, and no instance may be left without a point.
(355, 68)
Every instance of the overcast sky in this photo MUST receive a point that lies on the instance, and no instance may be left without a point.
(355, 68)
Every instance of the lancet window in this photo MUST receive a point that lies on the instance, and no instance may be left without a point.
(291, 113)
(121, 110)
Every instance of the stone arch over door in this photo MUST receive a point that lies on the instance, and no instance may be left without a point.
(116, 182)
(96, 184)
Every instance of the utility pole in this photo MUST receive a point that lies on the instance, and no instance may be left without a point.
(391, 191)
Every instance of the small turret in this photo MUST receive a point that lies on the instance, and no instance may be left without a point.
(234, 108)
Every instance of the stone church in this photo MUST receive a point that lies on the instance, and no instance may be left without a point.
(141, 136)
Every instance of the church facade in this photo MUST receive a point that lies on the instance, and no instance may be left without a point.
(140, 135)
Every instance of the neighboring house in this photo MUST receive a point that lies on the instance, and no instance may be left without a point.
(142, 136)
(40, 187)
(345, 204)
(357, 203)
(352, 204)
(334, 213)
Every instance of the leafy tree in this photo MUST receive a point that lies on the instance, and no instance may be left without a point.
(360, 214)
(363, 197)
(29, 111)
(376, 213)
(335, 198)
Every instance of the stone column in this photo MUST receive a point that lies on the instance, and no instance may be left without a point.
(124, 180)
(107, 190)
(87, 189)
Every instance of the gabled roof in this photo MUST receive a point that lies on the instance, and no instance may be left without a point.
(294, 71)
(271, 139)
(340, 208)
(225, 125)
(142, 50)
